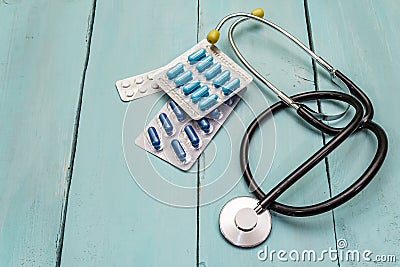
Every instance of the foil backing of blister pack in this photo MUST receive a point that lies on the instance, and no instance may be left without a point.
(166, 151)
(185, 101)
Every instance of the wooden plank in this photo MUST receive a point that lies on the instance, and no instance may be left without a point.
(42, 52)
(110, 220)
(361, 39)
(288, 68)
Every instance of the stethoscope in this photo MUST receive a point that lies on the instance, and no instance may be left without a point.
(246, 221)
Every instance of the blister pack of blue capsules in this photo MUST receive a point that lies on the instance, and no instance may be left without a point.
(175, 137)
(201, 79)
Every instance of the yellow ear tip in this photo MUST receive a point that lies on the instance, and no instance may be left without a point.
(213, 36)
(259, 12)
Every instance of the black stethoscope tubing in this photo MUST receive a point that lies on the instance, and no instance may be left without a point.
(362, 120)
(268, 201)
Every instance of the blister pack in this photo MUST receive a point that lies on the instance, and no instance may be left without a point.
(138, 86)
(175, 137)
(201, 79)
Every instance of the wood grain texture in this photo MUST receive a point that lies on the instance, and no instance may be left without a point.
(290, 69)
(110, 220)
(42, 52)
(361, 39)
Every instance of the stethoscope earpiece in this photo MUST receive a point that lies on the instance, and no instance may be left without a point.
(241, 225)
(213, 35)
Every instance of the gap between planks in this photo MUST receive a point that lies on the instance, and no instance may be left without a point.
(60, 239)
(316, 87)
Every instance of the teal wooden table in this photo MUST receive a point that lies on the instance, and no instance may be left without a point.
(66, 194)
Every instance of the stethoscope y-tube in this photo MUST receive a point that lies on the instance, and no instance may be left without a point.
(246, 231)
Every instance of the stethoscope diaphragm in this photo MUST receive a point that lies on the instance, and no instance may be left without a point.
(241, 225)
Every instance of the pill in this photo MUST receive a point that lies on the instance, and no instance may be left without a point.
(174, 71)
(166, 123)
(190, 87)
(222, 78)
(129, 92)
(155, 85)
(204, 63)
(213, 71)
(199, 93)
(197, 55)
(192, 135)
(179, 151)
(231, 86)
(177, 110)
(183, 78)
(204, 125)
(215, 114)
(154, 138)
(139, 80)
(208, 102)
(143, 89)
(229, 102)
(126, 83)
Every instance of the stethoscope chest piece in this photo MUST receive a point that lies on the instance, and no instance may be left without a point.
(241, 225)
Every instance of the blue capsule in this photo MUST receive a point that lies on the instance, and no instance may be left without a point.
(229, 102)
(154, 138)
(215, 114)
(222, 78)
(213, 71)
(174, 71)
(183, 78)
(208, 102)
(197, 55)
(179, 151)
(204, 63)
(231, 86)
(199, 93)
(204, 125)
(192, 135)
(177, 110)
(190, 87)
(166, 123)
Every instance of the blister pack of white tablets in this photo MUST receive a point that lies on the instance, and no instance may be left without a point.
(201, 79)
(138, 86)
(175, 137)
